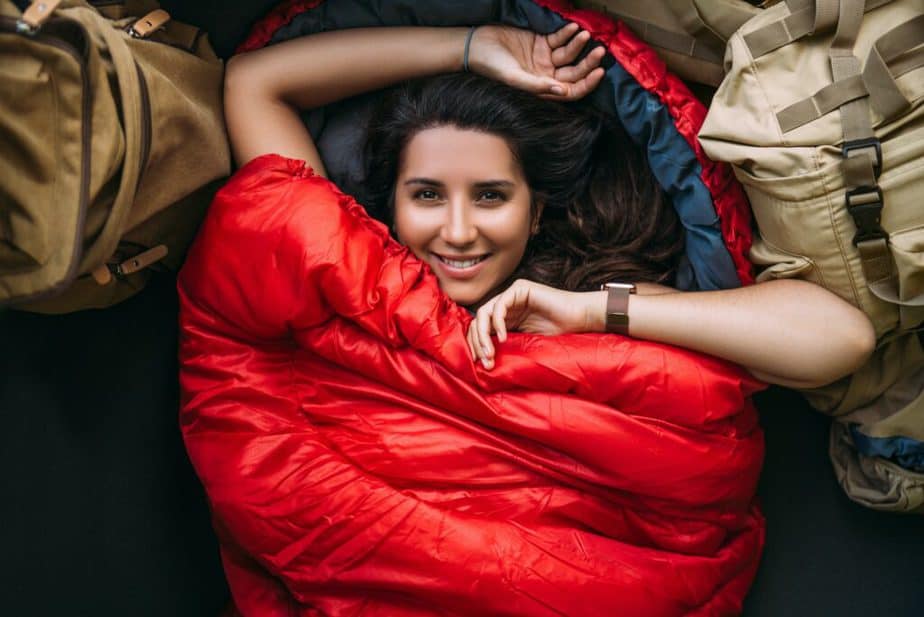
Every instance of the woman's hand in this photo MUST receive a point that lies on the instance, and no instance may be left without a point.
(532, 307)
(538, 63)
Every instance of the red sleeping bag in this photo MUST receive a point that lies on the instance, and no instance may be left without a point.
(358, 462)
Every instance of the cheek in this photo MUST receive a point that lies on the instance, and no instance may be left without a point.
(510, 230)
(409, 226)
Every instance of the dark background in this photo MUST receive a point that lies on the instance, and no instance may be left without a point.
(102, 515)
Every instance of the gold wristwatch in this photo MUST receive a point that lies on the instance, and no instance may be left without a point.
(617, 306)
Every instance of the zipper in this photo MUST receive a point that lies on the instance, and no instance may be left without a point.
(145, 120)
(11, 25)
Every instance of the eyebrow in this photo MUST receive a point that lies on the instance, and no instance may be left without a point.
(480, 185)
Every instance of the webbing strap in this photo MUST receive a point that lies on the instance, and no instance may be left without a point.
(676, 42)
(863, 162)
(877, 261)
(855, 117)
(822, 102)
(694, 25)
(890, 58)
(805, 17)
(724, 17)
(779, 33)
(908, 62)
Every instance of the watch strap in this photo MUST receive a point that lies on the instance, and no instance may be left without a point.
(617, 306)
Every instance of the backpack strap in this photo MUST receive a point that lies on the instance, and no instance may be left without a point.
(902, 44)
(694, 25)
(895, 53)
(862, 162)
(677, 42)
(805, 17)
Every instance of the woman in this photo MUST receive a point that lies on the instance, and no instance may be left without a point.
(462, 202)
(357, 459)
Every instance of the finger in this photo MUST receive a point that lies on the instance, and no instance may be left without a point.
(500, 324)
(539, 86)
(472, 342)
(566, 55)
(484, 331)
(582, 88)
(481, 355)
(561, 36)
(572, 74)
(587, 85)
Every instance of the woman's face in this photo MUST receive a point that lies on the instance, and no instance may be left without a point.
(462, 205)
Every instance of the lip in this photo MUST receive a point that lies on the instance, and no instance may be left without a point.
(459, 273)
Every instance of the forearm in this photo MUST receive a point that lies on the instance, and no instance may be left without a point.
(266, 89)
(787, 332)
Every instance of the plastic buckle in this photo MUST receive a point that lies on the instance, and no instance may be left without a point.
(864, 204)
(863, 144)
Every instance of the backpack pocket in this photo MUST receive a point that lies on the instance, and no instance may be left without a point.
(908, 253)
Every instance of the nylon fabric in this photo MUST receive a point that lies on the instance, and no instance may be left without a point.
(907, 452)
(358, 462)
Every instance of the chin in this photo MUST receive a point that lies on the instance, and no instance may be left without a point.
(468, 298)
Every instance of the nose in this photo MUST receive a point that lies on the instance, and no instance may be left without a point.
(459, 228)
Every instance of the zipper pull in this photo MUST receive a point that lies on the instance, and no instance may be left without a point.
(103, 273)
(149, 24)
(141, 260)
(35, 15)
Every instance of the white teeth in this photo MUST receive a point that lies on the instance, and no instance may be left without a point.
(464, 263)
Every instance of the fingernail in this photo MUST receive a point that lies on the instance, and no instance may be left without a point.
(557, 90)
(486, 363)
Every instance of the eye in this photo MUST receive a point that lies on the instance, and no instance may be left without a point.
(426, 195)
(492, 197)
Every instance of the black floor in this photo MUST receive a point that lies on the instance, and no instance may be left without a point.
(101, 515)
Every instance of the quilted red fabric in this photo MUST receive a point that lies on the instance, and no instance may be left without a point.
(358, 462)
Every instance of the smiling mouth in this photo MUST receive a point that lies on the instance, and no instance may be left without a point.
(461, 264)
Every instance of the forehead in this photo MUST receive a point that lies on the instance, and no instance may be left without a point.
(450, 152)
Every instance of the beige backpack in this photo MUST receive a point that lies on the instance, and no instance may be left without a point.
(111, 140)
(822, 116)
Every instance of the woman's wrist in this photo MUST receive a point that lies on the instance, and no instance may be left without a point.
(595, 311)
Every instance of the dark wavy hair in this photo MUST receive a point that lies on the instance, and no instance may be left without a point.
(604, 218)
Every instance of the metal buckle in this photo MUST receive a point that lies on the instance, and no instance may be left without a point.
(26, 29)
(863, 144)
(864, 204)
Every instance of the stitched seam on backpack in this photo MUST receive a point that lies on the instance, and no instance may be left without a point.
(789, 253)
(837, 231)
(752, 65)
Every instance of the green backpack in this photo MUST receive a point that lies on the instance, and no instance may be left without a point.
(111, 142)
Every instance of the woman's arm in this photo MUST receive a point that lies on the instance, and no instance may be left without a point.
(266, 89)
(787, 332)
